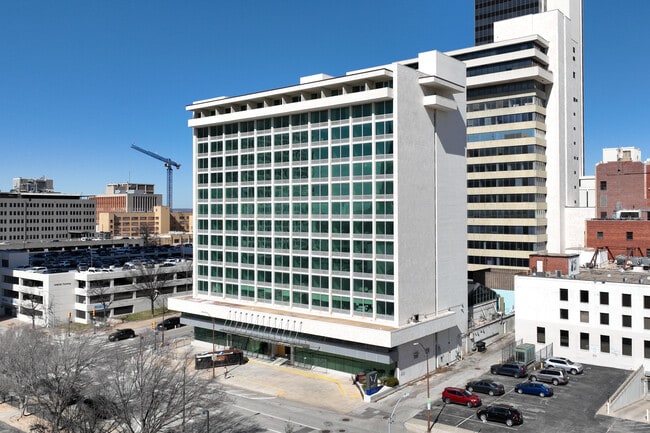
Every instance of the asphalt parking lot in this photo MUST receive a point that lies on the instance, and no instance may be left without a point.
(571, 409)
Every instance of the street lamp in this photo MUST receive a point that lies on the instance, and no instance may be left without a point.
(426, 354)
(212, 358)
(207, 420)
(162, 334)
(390, 418)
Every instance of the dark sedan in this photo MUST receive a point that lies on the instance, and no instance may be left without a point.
(121, 334)
(486, 387)
(501, 413)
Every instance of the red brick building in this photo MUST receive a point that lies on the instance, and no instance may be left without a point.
(621, 185)
(622, 204)
(566, 264)
(622, 237)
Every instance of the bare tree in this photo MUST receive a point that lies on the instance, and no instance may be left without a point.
(151, 282)
(152, 392)
(74, 392)
(20, 350)
(31, 306)
(60, 378)
(146, 231)
(101, 294)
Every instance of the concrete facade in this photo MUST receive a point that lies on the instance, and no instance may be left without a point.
(598, 317)
(37, 217)
(31, 294)
(345, 232)
(525, 134)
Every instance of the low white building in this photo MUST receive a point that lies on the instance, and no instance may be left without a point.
(50, 299)
(599, 317)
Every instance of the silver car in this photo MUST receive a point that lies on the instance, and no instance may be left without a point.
(549, 375)
(564, 364)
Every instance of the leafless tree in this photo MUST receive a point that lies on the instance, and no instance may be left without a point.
(152, 392)
(61, 377)
(80, 387)
(103, 295)
(31, 306)
(151, 281)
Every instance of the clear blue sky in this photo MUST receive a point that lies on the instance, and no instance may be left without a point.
(82, 80)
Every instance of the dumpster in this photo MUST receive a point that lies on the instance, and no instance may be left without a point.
(480, 346)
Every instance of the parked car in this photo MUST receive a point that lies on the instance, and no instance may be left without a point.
(565, 364)
(169, 323)
(550, 375)
(460, 396)
(501, 413)
(121, 334)
(486, 387)
(534, 388)
(516, 369)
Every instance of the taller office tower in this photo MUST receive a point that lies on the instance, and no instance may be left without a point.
(330, 219)
(524, 132)
(486, 12)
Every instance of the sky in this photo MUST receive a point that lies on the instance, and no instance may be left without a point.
(82, 80)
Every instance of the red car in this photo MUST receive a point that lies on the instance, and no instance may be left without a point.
(460, 396)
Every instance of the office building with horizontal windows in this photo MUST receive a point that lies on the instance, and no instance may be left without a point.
(330, 219)
(486, 12)
(524, 133)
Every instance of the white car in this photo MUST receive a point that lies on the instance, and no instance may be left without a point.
(564, 364)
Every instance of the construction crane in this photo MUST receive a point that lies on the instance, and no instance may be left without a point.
(169, 163)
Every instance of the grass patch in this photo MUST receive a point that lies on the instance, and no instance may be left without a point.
(143, 315)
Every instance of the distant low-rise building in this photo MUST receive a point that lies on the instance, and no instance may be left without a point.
(37, 217)
(134, 210)
(46, 296)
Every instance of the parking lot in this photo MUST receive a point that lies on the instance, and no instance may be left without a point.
(571, 409)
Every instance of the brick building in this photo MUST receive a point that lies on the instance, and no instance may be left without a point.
(622, 204)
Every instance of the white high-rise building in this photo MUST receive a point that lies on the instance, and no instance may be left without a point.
(330, 219)
(525, 131)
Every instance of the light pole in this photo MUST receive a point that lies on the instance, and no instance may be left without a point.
(213, 357)
(162, 331)
(390, 418)
(207, 420)
(426, 354)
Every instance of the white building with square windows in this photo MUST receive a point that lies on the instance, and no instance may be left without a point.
(330, 219)
(599, 317)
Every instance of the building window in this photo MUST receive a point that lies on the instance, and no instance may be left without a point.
(626, 346)
(564, 313)
(604, 343)
(599, 235)
(603, 185)
(627, 321)
(584, 341)
(629, 236)
(584, 316)
(646, 349)
(626, 300)
(604, 298)
(541, 334)
(564, 294)
(564, 338)
(584, 296)
(646, 323)
(646, 302)
(604, 318)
